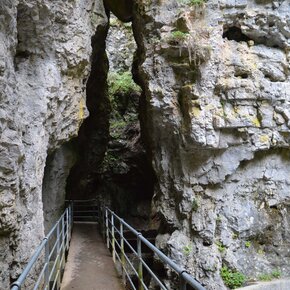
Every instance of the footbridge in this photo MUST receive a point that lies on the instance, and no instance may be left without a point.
(91, 247)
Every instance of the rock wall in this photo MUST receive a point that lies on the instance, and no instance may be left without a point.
(216, 106)
(57, 168)
(214, 114)
(45, 49)
(120, 45)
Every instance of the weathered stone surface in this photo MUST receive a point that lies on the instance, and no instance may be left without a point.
(120, 46)
(44, 63)
(216, 117)
(57, 168)
(214, 113)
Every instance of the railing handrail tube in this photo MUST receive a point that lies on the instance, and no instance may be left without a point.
(37, 252)
(181, 271)
(81, 200)
(17, 284)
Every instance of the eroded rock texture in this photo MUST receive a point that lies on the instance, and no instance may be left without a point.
(45, 49)
(215, 114)
(216, 107)
(124, 179)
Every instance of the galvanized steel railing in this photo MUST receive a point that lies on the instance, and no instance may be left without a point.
(85, 210)
(52, 251)
(51, 254)
(113, 230)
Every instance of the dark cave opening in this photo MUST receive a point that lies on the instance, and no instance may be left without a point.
(112, 163)
(235, 33)
(92, 140)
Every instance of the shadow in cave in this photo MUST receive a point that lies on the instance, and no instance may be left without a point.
(112, 164)
(91, 143)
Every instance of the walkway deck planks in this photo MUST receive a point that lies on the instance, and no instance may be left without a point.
(89, 264)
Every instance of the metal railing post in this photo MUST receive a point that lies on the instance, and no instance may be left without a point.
(67, 228)
(103, 224)
(140, 265)
(107, 229)
(71, 215)
(68, 224)
(123, 261)
(50, 251)
(182, 283)
(46, 272)
(57, 237)
(58, 255)
(62, 242)
(97, 212)
(113, 238)
(72, 210)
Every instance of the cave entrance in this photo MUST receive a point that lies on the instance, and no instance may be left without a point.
(113, 165)
(126, 175)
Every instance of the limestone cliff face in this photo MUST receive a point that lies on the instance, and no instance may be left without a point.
(215, 114)
(45, 49)
(215, 111)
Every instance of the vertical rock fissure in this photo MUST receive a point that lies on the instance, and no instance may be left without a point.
(112, 163)
(92, 140)
(126, 173)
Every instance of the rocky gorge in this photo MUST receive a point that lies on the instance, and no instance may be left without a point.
(199, 141)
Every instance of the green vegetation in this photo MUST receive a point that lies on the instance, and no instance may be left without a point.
(109, 161)
(232, 279)
(193, 2)
(194, 205)
(121, 83)
(268, 277)
(265, 277)
(187, 250)
(248, 244)
(117, 127)
(261, 252)
(221, 247)
(276, 274)
(196, 2)
(121, 91)
(178, 36)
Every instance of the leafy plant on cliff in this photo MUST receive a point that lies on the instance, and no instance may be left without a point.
(196, 2)
(121, 83)
(276, 274)
(178, 35)
(193, 2)
(187, 250)
(194, 205)
(232, 279)
(222, 248)
(196, 42)
(122, 94)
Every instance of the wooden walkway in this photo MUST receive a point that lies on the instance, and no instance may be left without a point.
(89, 265)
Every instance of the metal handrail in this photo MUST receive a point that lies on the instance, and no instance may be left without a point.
(61, 232)
(84, 212)
(110, 231)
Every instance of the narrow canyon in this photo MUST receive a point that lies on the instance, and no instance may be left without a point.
(175, 114)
